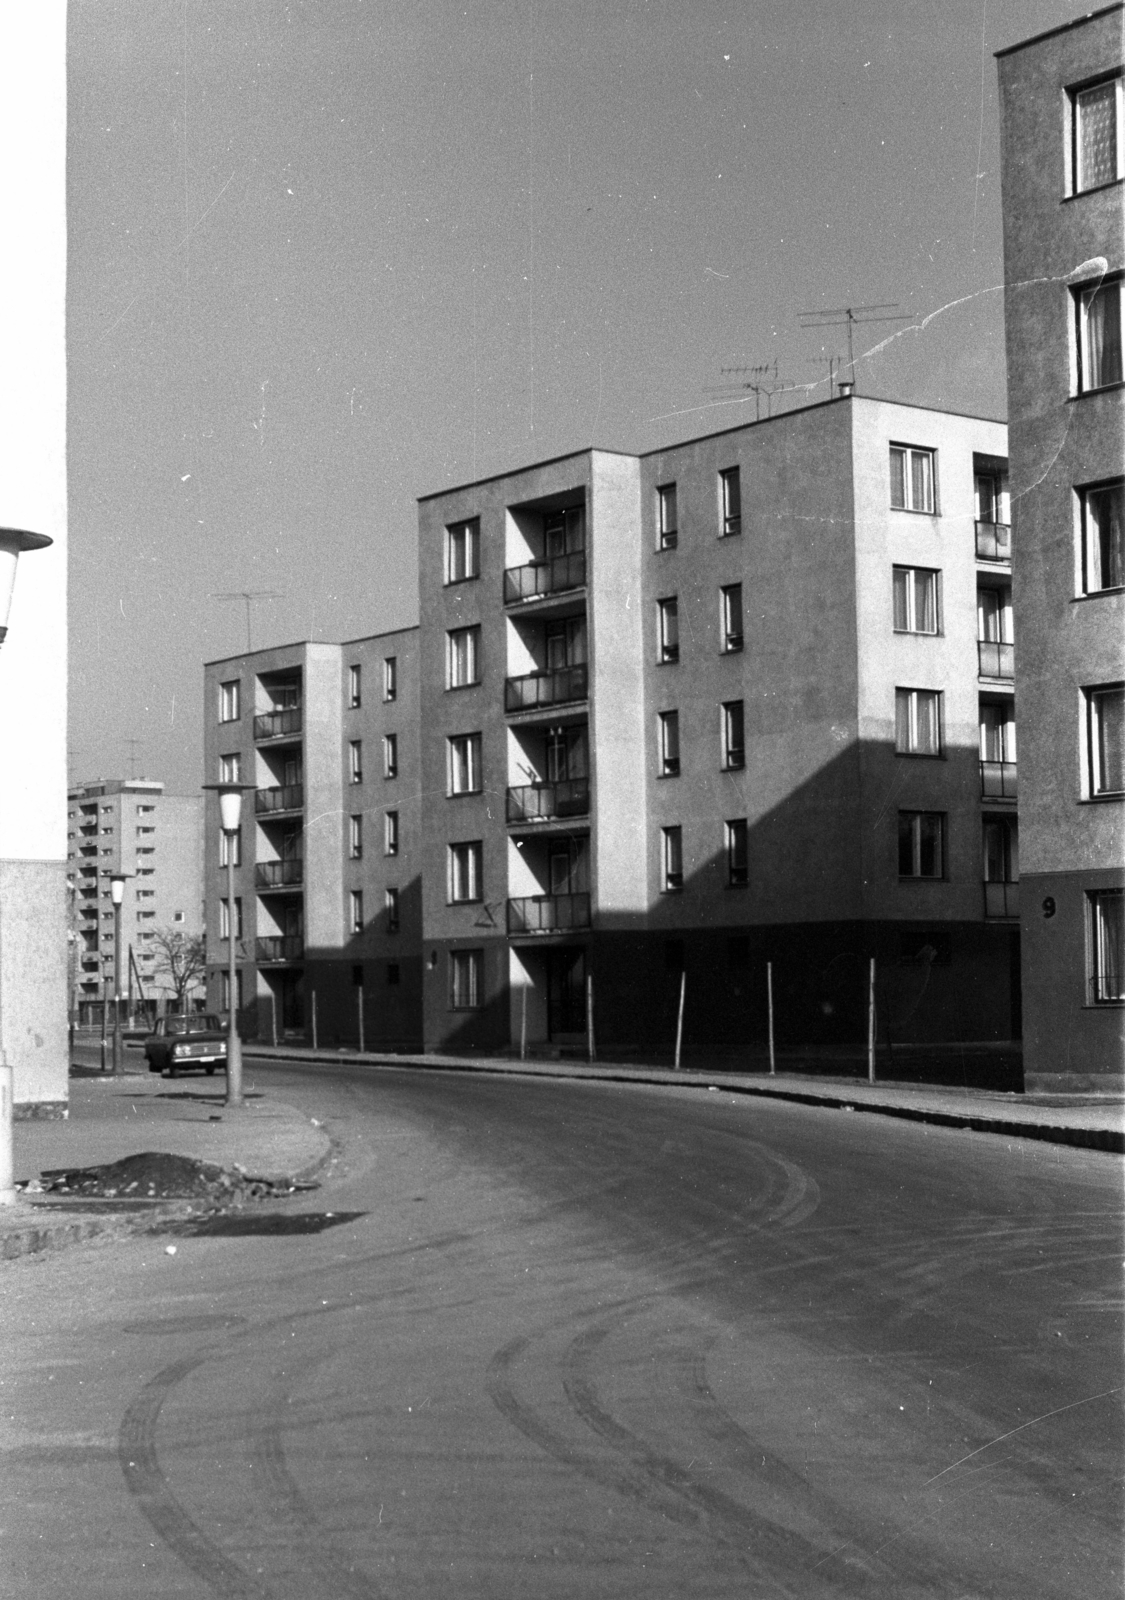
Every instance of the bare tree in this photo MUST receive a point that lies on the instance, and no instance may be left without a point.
(181, 958)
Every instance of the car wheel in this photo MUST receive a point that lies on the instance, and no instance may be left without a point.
(172, 1069)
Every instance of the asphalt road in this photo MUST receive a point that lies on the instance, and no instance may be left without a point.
(565, 1340)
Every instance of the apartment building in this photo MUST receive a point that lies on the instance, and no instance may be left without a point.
(1063, 162)
(746, 700)
(130, 826)
(327, 900)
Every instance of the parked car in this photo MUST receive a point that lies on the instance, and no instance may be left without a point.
(180, 1042)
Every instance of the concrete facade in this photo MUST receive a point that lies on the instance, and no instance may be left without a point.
(1064, 248)
(130, 826)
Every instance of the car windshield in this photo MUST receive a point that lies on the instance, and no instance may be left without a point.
(207, 1024)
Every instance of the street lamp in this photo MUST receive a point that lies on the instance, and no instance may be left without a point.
(13, 542)
(117, 881)
(230, 819)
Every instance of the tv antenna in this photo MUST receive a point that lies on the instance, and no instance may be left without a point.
(132, 743)
(249, 595)
(761, 380)
(853, 317)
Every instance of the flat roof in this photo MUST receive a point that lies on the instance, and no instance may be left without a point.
(299, 644)
(1063, 27)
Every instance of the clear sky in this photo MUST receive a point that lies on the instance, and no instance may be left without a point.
(328, 255)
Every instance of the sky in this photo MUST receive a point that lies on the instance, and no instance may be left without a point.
(330, 255)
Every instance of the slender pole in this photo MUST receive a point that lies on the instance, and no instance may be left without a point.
(769, 1000)
(523, 1020)
(680, 1016)
(105, 1015)
(118, 1061)
(7, 1145)
(312, 998)
(234, 1043)
(359, 1006)
(871, 1022)
(273, 1018)
(590, 1015)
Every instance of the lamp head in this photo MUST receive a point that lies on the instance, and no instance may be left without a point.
(13, 542)
(117, 886)
(230, 803)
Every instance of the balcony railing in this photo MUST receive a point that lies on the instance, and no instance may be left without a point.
(279, 874)
(541, 802)
(549, 913)
(276, 724)
(994, 541)
(279, 947)
(540, 578)
(997, 658)
(998, 780)
(1001, 899)
(538, 689)
(289, 797)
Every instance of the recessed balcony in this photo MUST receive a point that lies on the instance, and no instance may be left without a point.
(549, 913)
(279, 874)
(536, 691)
(998, 780)
(548, 802)
(281, 947)
(994, 542)
(996, 658)
(286, 797)
(1001, 899)
(284, 724)
(538, 579)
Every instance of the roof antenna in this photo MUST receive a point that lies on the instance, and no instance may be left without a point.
(853, 317)
(248, 595)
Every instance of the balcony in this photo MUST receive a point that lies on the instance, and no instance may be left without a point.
(549, 913)
(542, 578)
(996, 658)
(289, 797)
(1001, 899)
(998, 780)
(994, 541)
(537, 690)
(279, 947)
(279, 874)
(544, 802)
(278, 724)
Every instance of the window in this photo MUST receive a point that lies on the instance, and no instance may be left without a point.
(668, 724)
(912, 478)
(230, 771)
(672, 859)
(142, 832)
(355, 761)
(143, 850)
(1000, 850)
(730, 497)
(390, 906)
(230, 701)
(144, 894)
(731, 595)
(148, 872)
(464, 763)
(145, 811)
(738, 853)
(355, 910)
(668, 629)
(390, 755)
(464, 979)
(462, 551)
(1106, 709)
(464, 872)
(355, 687)
(921, 852)
(564, 532)
(227, 856)
(224, 918)
(918, 722)
(390, 833)
(734, 740)
(355, 837)
(1097, 155)
(915, 600)
(997, 730)
(1103, 537)
(145, 916)
(1107, 945)
(666, 524)
(464, 657)
(1098, 311)
(390, 678)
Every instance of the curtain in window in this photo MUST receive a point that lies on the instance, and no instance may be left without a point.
(927, 731)
(921, 481)
(1097, 137)
(1106, 529)
(1109, 944)
(1109, 712)
(925, 603)
(1103, 336)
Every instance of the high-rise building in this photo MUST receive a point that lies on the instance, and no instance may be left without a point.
(1063, 162)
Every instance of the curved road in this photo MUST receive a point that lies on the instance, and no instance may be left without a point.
(563, 1339)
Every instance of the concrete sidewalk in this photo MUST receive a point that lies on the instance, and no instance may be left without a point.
(1088, 1121)
(111, 1118)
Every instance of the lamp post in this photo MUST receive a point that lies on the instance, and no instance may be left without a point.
(230, 819)
(117, 881)
(13, 542)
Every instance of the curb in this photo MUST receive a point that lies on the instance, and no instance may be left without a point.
(1110, 1140)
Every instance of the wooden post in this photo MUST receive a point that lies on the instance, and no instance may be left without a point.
(523, 1019)
(312, 996)
(680, 1017)
(590, 1016)
(871, 1022)
(359, 1007)
(769, 1000)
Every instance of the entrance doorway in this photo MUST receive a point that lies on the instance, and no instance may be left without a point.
(566, 995)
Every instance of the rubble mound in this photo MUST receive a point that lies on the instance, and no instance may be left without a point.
(152, 1175)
